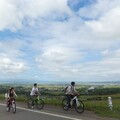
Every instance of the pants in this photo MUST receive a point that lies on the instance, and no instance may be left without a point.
(9, 101)
(69, 97)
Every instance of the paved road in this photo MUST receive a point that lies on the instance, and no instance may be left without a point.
(48, 113)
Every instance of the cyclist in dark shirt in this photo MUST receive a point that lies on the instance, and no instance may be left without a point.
(71, 92)
(11, 95)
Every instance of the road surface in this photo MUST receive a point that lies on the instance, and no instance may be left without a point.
(48, 113)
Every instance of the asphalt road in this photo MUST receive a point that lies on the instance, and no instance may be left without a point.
(48, 113)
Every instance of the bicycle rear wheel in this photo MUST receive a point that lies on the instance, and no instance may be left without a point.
(65, 104)
(40, 104)
(29, 103)
(13, 107)
(79, 106)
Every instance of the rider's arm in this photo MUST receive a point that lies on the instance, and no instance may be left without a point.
(15, 94)
(38, 91)
(8, 94)
(75, 92)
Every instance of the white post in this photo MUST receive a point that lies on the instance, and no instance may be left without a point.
(110, 103)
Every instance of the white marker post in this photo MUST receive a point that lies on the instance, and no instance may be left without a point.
(110, 103)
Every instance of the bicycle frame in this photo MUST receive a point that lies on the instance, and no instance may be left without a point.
(11, 101)
(78, 104)
(76, 99)
(12, 105)
(38, 97)
(36, 101)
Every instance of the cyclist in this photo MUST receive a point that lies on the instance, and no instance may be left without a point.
(71, 92)
(34, 93)
(11, 96)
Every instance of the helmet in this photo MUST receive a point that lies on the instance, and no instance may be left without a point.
(72, 83)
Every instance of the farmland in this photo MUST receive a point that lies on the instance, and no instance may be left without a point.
(94, 97)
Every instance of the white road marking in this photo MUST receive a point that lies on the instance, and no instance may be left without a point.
(46, 113)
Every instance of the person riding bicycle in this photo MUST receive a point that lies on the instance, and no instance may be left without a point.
(34, 93)
(11, 96)
(71, 92)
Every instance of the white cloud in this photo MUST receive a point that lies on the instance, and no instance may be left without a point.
(98, 9)
(108, 25)
(111, 54)
(106, 69)
(9, 16)
(11, 57)
(12, 48)
(84, 36)
(37, 8)
(11, 66)
(57, 57)
(60, 45)
(14, 12)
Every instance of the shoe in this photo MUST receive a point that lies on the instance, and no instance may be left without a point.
(7, 109)
(69, 106)
(65, 108)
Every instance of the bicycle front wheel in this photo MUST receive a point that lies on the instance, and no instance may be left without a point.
(40, 104)
(79, 107)
(14, 107)
(65, 104)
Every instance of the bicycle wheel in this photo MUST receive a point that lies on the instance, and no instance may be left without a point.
(13, 107)
(29, 103)
(40, 104)
(65, 104)
(79, 106)
(8, 108)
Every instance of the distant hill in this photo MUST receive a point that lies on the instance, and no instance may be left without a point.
(21, 81)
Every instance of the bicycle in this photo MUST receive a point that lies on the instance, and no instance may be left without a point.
(37, 101)
(77, 103)
(12, 104)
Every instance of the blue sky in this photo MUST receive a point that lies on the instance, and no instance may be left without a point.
(60, 40)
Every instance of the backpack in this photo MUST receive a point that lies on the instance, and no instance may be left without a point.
(6, 95)
(65, 89)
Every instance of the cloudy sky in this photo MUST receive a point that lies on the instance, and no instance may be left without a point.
(58, 40)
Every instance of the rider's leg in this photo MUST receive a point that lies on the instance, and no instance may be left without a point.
(33, 99)
(68, 99)
(8, 102)
(74, 101)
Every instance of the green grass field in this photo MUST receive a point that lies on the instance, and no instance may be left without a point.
(100, 107)
(96, 101)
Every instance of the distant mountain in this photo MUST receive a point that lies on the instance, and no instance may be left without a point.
(21, 81)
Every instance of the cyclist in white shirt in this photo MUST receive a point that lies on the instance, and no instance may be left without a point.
(34, 90)
(34, 93)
